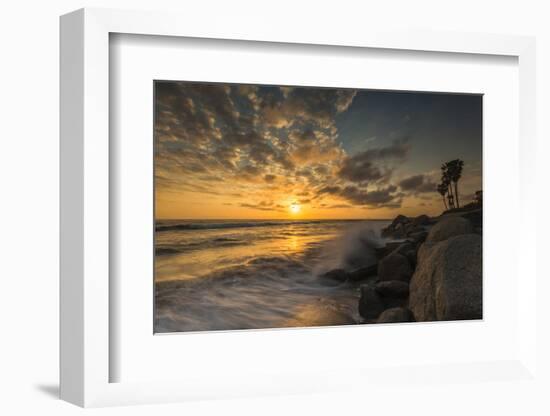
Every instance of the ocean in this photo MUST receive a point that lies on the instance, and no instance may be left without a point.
(252, 274)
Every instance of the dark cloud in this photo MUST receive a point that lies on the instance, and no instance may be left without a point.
(251, 170)
(321, 170)
(333, 190)
(360, 169)
(399, 149)
(337, 206)
(377, 197)
(303, 135)
(316, 106)
(245, 205)
(263, 206)
(200, 128)
(358, 196)
(417, 184)
(372, 164)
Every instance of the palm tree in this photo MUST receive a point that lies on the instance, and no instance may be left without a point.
(451, 200)
(446, 181)
(442, 189)
(454, 170)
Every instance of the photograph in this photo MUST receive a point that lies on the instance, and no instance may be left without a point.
(281, 206)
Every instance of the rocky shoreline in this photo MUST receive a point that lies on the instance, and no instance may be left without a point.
(429, 270)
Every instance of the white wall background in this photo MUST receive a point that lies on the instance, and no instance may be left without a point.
(29, 203)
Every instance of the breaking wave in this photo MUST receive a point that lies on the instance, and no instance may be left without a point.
(242, 277)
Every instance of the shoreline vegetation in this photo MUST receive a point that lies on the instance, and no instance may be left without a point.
(429, 270)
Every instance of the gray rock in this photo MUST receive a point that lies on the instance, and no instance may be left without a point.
(394, 267)
(394, 293)
(393, 288)
(363, 273)
(401, 219)
(408, 249)
(382, 252)
(475, 217)
(421, 220)
(396, 229)
(412, 229)
(449, 227)
(411, 256)
(370, 303)
(418, 237)
(447, 283)
(394, 315)
(402, 248)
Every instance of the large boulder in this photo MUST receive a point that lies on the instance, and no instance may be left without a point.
(393, 289)
(449, 227)
(447, 283)
(395, 315)
(475, 217)
(407, 249)
(370, 303)
(395, 266)
(393, 293)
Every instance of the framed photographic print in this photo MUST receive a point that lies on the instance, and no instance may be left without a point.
(247, 215)
(282, 206)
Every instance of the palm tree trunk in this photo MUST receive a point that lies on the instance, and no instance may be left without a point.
(456, 194)
(452, 199)
(444, 202)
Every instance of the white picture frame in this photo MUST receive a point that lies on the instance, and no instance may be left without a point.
(86, 356)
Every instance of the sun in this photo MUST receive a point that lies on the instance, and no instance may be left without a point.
(295, 208)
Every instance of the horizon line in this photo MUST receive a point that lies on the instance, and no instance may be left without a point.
(274, 219)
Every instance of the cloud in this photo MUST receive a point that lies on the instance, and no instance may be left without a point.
(344, 98)
(217, 129)
(359, 169)
(207, 129)
(335, 206)
(374, 164)
(316, 106)
(240, 140)
(417, 184)
(263, 206)
(358, 196)
(251, 170)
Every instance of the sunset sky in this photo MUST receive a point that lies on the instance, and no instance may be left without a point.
(255, 152)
